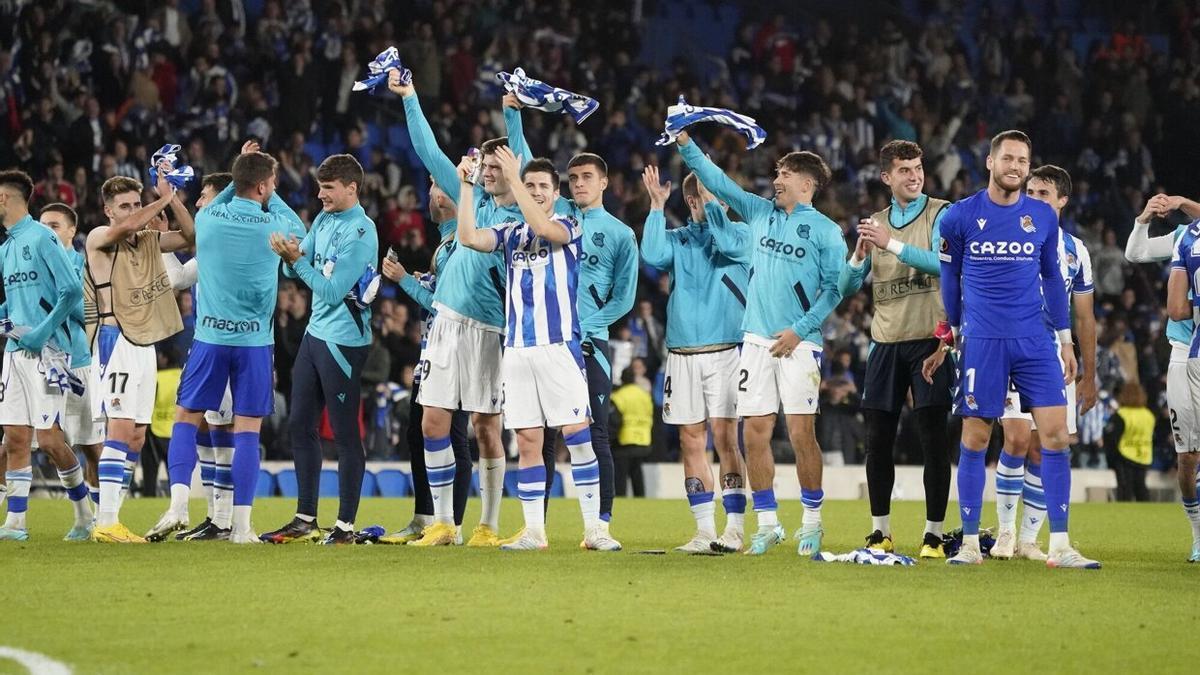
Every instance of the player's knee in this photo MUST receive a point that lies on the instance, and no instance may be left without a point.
(17, 439)
(435, 423)
(1055, 438)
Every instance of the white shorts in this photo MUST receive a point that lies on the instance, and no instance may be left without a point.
(765, 382)
(79, 423)
(223, 416)
(1012, 409)
(124, 387)
(544, 386)
(699, 387)
(1012, 405)
(1181, 383)
(461, 366)
(26, 399)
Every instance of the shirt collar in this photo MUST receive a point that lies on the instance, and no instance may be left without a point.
(21, 225)
(903, 215)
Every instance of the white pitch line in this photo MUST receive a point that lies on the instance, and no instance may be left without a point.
(35, 663)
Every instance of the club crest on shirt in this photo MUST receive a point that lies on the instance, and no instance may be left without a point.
(1070, 259)
(802, 231)
(1027, 224)
(971, 402)
(26, 254)
(598, 239)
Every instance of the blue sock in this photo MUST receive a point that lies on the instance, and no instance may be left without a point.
(734, 501)
(181, 454)
(764, 500)
(971, 478)
(95, 494)
(1056, 482)
(812, 501)
(245, 467)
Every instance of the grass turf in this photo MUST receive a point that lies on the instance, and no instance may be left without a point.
(215, 607)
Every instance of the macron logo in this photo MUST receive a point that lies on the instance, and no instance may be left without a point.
(1008, 506)
(981, 222)
(601, 397)
(967, 510)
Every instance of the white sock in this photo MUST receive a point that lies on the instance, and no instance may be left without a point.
(767, 520)
(112, 477)
(1059, 541)
(19, 481)
(72, 481)
(971, 541)
(1192, 510)
(207, 457)
(585, 472)
(439, 467)
(705, 515)
(422, 521)
(1034, 511)
(883, 524)
(241, 519)
(222, 513)
(934, 527)
(1010, 481)
(491, 490)
(344, 526)
(179, 500)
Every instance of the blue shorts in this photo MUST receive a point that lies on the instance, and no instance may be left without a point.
(249, 372)
(988, 364)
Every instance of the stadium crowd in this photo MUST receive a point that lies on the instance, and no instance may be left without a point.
(89, 90)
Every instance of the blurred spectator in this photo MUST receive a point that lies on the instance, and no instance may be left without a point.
(1129, 438)
(634, 419)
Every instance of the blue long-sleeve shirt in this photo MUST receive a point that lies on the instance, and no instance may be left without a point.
(796, 260)
(80, 350)
(40, 285)
(471, 284)
(925, 260)
(709, 264)
(238, 283)
(345, 242)
(994, 259)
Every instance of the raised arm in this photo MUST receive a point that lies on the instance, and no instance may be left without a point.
(832, 260)
(468, 234)
(657, 250)
(852, 275)
(185, 236)
(553, 230)
(436, 162)
(731, 239)
(514, 126)
(105, 236)
(747, 204)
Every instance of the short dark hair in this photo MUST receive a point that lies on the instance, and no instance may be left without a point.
(59, 207)
(542, 165)
(491, 146)
(897, 150)
(628, 377)
(217, 181)
(1056, 175)
(691, 185)
(1010, 135)
(804, 161)
(19, 180)
(344, 168)
(586, 158)
(118, 185)
(251, 169)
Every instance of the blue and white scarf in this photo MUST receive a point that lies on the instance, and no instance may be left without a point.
(377, 71)
(681, 116)
(167, 159)
(54, 363)
(537, 94)
(866, 556)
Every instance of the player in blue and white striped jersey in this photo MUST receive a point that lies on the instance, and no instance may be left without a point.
(542, 369)
(1019, 471)
(1183, 297)
(1142, 248)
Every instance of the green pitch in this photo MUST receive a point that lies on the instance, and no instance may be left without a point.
(221, 608)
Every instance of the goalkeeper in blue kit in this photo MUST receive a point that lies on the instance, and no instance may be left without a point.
(998, 246)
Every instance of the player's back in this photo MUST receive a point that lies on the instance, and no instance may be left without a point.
(239, 273)
(1001, 249)
(708, 290)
